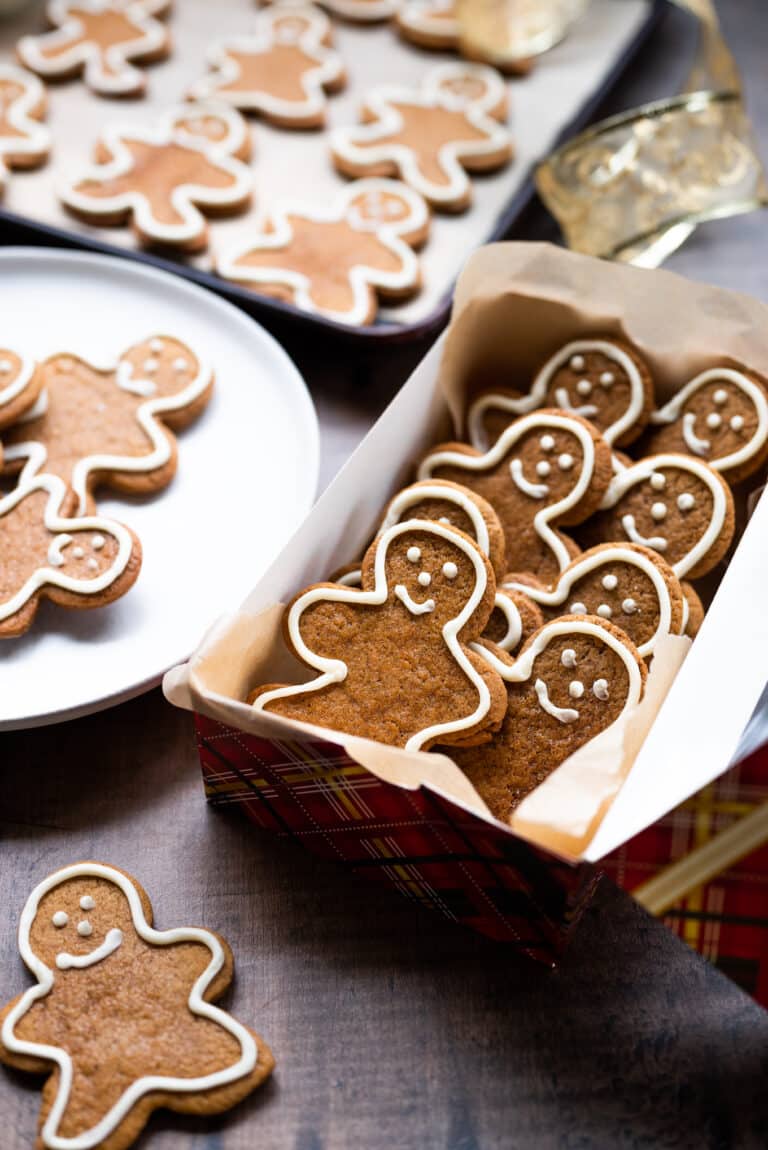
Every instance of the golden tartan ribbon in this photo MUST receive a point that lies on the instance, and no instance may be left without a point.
(635, 186)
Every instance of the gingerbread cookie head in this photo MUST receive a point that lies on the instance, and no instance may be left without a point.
(76, 562)
(675, 505)
(375, 204)
(630, 585)
(429, 23)
(205, 125)
(20, 385)
(24, 141)
(721, 416)
(166, 370)
(153, 1036)
(464, 87)
(574, 678)
(603, 380)
(394, 658)
(547, 468)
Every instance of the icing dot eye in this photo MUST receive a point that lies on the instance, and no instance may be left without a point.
(578, 609)
(543, 468)
(78, 552)
(600, 689)
(604, 611)
(87, 903)
(424, 579)
(737, 423)
(565, 461)
(180, 365)
(98, 542)
(568, 657)
(547, 443)
(577, 363)
(686, 501)
(584, 387)
(156, 345)
(658, 481)
(5, 366)
(150, 366)
(720, 397)
(413, 554)
(575, 689)
(610, 582)
(92, 564)
(659, 511)
(444, 519)
(629, 606)
(607, 378)
(714, 420)
(60, 919)
(84, 928)
(450, 570)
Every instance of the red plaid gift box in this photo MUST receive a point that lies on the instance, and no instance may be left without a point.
(726, 920)
(426, 847)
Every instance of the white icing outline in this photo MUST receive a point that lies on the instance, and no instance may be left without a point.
(22, 379)
(511, 613)
(335, 670)
(36, 455)
(362, 277)
(421, 18)
(483, 462)
(168, 128)
(593, 560)
(328, 70)
(141, 1086)
(49, 575)
(671, 411)
(537, 396)
(641, 471)
(36, 141)
(381, 103)
(86, 54)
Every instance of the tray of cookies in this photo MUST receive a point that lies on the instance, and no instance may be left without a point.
(486, 658)
(333, 164)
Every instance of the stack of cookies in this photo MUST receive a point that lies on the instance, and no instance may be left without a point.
(514, 594)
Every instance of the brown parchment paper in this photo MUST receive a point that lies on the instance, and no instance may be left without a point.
(515, 304)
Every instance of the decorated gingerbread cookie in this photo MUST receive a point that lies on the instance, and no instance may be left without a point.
(630, 585)
(603, 380)
(45, 553)
(393, 658)
(20, 384)
(431, 136)
(547, 469)
(283, 71)
(721, 416)
(121, 1016)
(675, 505)
(109, 425)
(160, 177)
(103, 40)
(337, 260)
(24, 141)
(573, 679)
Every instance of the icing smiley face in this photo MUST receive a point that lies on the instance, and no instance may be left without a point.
(79, 923)
(602, 380)
(673, 504)
(547, 468)
(394, 658)
(630, 585)
(572, 680)
(721, 416)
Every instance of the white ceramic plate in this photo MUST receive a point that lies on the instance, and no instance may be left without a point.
(247, 475)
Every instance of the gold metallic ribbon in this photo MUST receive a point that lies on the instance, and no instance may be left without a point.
(635, 186)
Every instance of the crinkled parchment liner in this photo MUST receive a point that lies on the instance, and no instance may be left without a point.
(515, 304)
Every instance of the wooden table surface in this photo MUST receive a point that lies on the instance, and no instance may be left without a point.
(390, 1027)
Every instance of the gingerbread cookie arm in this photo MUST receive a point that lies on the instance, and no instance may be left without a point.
(20, 385)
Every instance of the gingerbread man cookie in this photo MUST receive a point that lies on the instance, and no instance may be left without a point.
(675, 505)
(431, 136)
(106, 425)
(603, 380)
(394, 660)
(547, 469)
(630, 585)
(100, 39)
(574, 678)
(336, 261)
(121, 1015)
(160, 177)
(24, 141)
(721, 416)
(283, 71)
(20, 384)
(45, 554)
